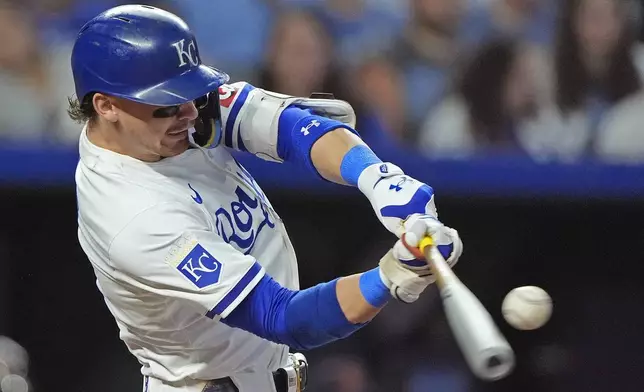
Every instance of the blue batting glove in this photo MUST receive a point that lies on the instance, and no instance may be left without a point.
(404, 204)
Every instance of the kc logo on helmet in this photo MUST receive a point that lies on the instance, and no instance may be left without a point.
(186, 56)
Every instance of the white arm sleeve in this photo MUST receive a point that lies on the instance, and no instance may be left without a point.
(170, 250)
(250, 115)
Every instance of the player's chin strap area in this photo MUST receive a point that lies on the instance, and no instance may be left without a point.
(207, 126)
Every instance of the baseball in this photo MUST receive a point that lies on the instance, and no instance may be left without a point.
(527, 307)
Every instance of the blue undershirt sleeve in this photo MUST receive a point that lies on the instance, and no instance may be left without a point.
(302, 319)
(298, 130)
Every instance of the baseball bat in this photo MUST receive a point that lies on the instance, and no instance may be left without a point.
(485, 349)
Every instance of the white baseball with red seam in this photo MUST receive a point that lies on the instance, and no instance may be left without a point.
(527, 307)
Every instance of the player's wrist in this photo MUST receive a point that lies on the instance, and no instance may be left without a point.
(375, 288)
(355, 162)
(404, 284)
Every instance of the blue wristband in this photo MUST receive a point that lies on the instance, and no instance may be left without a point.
(355, 161)
(373, 289)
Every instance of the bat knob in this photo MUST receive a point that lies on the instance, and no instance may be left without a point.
(497, 364)
(493, 362)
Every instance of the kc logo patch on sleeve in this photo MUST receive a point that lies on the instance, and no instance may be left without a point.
(194, 262)
(200, 267)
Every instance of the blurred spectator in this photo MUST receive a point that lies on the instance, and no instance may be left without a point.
(380, 90)
(62, 19)
(359, 27)
(596, 54)
(299, 57)
(529, 20)
(299, 61)
(620, 139)
(232, 34)
(597, 63)
(424, 54)
(398, 8)
(25, 109)
(35, 81)
(493, 97)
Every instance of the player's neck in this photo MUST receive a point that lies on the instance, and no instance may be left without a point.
(109, 139)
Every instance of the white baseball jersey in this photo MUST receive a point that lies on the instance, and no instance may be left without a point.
(175, 245)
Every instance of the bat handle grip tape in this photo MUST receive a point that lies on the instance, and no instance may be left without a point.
(439, 267)
(424, 243)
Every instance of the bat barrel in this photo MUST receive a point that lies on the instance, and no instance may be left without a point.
(487, 352)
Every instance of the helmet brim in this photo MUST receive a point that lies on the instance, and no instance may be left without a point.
(188, 86)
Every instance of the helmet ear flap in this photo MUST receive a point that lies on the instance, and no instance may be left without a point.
(208, 130)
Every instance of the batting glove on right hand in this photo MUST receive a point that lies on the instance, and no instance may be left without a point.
(404, 269)
(447, 240)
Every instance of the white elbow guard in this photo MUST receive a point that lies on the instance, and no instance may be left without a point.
(256, 125)
(324, 104)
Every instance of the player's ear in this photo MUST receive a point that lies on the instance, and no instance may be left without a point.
(104, 107)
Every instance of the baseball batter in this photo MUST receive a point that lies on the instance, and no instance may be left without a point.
(192, 259)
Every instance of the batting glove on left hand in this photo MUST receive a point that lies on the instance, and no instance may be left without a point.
(405, 283)
(404, 269)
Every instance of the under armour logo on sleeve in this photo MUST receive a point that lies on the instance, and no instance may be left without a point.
(305, 130)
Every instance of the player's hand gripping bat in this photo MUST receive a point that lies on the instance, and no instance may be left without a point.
(485, 349)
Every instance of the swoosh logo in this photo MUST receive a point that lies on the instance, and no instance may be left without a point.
(197, 197)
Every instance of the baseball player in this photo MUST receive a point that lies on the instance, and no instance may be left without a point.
(192, 259)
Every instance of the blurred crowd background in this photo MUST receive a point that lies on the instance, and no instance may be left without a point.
(555, 80)
(549, 82)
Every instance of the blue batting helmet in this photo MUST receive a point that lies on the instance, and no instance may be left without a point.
(143, 54)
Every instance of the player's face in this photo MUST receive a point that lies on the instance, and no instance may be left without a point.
(156, 132)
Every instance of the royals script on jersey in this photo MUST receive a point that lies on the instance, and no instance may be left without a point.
(175, 245)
